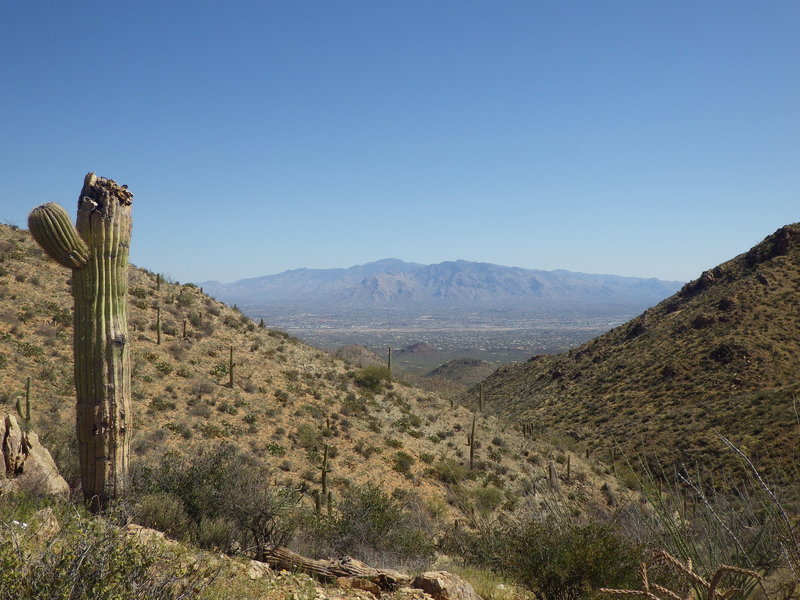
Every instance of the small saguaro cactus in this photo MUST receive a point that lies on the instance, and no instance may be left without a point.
(552, 475)
(389, 363)
(158, 325)
(26, 414)
(324, 470)
(471, 444)
(231, 366)
(96, 250)
(480, 397)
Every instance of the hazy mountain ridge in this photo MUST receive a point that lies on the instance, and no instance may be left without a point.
(720, 357)
(395, 282)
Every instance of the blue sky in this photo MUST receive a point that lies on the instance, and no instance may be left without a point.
(635, 138)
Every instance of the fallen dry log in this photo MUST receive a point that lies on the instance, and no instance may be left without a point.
(330, 570)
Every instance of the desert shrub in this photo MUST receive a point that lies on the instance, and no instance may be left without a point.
(164, 512)
(372, 378)
(354, 406)
(373, 526)
(487, 498)
(89, 558)
(215, 533)
(402, 463)
(449, 471)
(570, 562)
(555, 559)
(225, 497)
(202, 388)
(308, 437)
(275, 449)
(161, 404)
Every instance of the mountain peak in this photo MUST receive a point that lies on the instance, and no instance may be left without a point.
(391, 281)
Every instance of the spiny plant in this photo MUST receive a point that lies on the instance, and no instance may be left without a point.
(96, 250)
(158, 324)
(471, 444)
(26, 414)
(231, 366)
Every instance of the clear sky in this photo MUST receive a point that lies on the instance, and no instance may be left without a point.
(635, 138)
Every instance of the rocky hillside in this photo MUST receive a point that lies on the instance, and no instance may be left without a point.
(285, 402)
(720, 357)
(466, 371)
(360, 356)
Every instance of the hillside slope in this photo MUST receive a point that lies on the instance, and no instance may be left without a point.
(287, 400)
(720, 357)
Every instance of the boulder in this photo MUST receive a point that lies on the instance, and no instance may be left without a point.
(45, 524)
(442, 585)
(257, 569)
(357, 583)
(27, 463)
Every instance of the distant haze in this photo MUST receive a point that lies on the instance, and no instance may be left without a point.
(463, 284)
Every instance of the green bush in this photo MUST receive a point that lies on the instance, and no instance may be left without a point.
(402, 463)
(570, 562)
(215, 533)
(91, 559)
(372, 378)
(163, 512)
(449, 471)
(225, 498)
(487, 498)
(555, 559)
(373, 526)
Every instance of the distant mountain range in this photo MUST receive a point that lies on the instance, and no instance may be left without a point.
(393, 282)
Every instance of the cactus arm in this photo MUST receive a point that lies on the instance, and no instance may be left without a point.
(50, 226)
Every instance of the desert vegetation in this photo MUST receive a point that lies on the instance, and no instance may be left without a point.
(248, 445)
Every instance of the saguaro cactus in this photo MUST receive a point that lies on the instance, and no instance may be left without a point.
(26, 414)
(471, 444)
(231, 366)
(97, 252)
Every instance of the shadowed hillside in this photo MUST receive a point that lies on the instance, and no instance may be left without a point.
(720, 357)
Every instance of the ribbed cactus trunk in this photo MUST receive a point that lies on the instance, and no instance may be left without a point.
(97, 252)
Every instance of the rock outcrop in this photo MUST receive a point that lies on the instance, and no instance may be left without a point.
(25, 464)
(442, 585)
